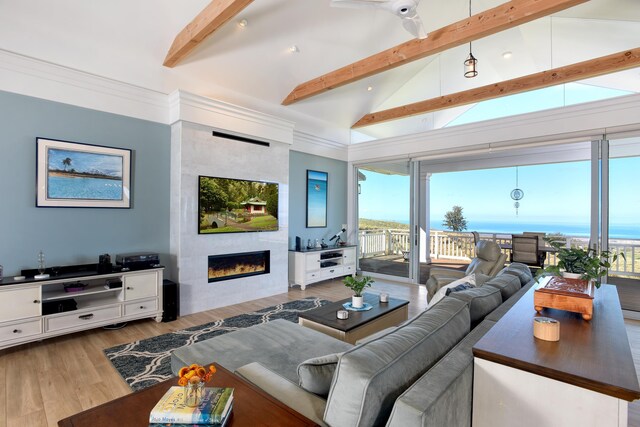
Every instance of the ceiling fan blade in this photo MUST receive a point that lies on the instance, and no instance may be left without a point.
(358, 4)
(414, 26)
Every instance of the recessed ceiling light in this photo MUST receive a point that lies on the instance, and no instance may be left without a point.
(243, 23)
(369, 88)
(294, 49)
(507, 54)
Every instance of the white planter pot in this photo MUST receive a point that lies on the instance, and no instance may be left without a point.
(357, 302)
(567, 275)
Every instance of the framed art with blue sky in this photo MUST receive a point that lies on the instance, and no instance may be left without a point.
(71, 174)
(317, 187)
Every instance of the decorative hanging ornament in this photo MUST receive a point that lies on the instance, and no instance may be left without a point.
(517, 194)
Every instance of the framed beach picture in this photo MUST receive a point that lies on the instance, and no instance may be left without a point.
(71, 174)
(317, 199)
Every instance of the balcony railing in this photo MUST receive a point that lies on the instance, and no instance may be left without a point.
(459, 246)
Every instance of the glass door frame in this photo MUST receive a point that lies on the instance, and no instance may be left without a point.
(414, 208)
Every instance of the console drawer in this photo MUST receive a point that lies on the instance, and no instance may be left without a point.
(141, 286)
(75, 318)
(141, 307)
(21, 330)
(331, 271)
(311, 277)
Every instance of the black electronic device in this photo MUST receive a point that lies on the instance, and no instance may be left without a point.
(170, 301)
(298, 243)
(59, 306)
(113, 283)
(104, 264)
(138, 261)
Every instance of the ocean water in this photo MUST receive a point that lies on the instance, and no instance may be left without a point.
(616, 231)
(84, 188)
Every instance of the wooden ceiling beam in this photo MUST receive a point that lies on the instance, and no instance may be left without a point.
(212, 17)
(508, 15)
(570, 73)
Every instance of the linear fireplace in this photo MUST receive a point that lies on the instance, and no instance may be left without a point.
(233, 266)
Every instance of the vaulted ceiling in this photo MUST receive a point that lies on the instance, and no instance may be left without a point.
(253, 66)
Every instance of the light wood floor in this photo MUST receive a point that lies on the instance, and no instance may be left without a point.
(41, 383)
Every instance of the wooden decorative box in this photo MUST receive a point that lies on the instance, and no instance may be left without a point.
(573, 295)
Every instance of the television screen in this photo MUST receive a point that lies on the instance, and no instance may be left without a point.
(235, 206)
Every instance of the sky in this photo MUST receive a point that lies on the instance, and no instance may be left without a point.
(85, 162)
(555, 195)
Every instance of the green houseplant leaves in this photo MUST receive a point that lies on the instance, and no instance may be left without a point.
(357, 285)
(592, 265)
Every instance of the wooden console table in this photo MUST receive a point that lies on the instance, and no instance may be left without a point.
(251, 407)
(586, 378)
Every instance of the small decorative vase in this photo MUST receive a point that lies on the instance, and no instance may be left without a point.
(568, 275)
(356, 302)
(193, 393)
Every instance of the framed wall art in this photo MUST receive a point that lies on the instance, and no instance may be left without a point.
(317, 187)
(72, 174)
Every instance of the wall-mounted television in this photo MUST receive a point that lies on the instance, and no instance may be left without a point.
(228, 205)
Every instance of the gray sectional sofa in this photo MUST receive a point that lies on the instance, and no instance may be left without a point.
(417, 374)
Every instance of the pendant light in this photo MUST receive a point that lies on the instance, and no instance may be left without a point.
(470, 63)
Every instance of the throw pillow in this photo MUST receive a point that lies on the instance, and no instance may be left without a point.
(316, 374)
(460, 287)
(442, 292)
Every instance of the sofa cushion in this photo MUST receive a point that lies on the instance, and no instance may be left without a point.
(482, 301)
(370, 377)
(279, 344)
(506, 283)
(442, 292)
(442, 396)
(315, 374)
(496, 314)
(518, 269)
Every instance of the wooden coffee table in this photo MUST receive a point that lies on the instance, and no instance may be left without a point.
(360, 324)
(251, 406)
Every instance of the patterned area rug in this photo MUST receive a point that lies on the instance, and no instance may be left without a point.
(147, 362)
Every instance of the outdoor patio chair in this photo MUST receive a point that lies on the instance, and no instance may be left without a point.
(489, 261)
(541, 237)
(525, 249)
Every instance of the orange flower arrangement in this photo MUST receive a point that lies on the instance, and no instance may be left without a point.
(194, 374)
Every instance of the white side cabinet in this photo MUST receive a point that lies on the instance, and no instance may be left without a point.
(314, 265)
(34, 310)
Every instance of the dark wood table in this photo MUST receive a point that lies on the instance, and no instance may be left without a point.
(558, 378)
(251, 407)
(360, 324)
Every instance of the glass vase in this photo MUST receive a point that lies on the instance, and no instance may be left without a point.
(193, 393)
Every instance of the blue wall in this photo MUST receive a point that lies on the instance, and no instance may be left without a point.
(78, 235)
(337, 196)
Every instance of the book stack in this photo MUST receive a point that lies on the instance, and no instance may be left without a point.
(213, 410)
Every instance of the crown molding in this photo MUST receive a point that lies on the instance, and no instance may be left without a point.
(587, 120)
(40, 79)
(310, 144)
(189, 107)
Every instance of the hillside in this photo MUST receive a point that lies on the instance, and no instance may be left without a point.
(374, 224)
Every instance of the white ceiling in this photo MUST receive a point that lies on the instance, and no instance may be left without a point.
(127, 40)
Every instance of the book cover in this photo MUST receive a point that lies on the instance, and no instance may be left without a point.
(171, 408)
(221, 409)
(221, 424)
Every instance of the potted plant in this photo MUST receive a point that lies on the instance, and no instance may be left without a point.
(577, 263)
(357, 285)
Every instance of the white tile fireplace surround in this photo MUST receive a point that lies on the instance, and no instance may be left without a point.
(194, 152)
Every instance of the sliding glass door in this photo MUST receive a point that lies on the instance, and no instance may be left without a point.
(623, 218)
(385, 235)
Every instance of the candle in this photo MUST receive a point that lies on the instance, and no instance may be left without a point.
(384, 297)
(342, 314)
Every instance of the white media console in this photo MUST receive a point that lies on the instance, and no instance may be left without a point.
(21, 304)
(314, 265)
